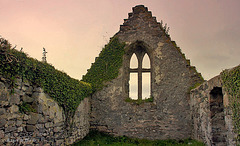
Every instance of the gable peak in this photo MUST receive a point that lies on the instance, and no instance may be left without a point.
(139, 9)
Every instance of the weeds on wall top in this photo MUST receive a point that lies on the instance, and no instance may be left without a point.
(231, 82)
(68, 92)
(139, 101)
(107, 65)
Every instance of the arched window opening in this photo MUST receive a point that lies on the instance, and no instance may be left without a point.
(134, 61)
(217, 115)
(146, 62)
(146, 85)
(133, 86)
(140, 76)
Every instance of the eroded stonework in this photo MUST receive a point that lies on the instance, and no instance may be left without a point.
(212, 124)
(44, 125)
(175, 112)
(168, 116)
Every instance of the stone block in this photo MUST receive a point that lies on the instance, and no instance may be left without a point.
(19, 92)
(60, 142)
(35, 95)
(38, 126)
(13, 116)
(2, 134)
(20, 129)
(2, 122)
(26, 117)
(2, 111)
(51, 103)
(38, 89)
(57, 129)
(24, 88)
(3, 96)
(10, 129)
(19, 122)
(29, 90)
(11, 123)
(49, 124)
(40, 109)
(14, 98)
(59, 124)
(14, 109)
(27, 99)
(42, 130)
(34, 118)
(42, 119)
(15, 134)
(30, 128)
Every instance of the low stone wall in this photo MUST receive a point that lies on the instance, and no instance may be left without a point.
(212, 121)
(45, 125)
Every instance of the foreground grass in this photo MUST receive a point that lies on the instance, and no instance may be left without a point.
(96, 138)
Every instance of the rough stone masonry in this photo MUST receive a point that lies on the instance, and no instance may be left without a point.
(43, 126)
(168, 116)
(172, 113)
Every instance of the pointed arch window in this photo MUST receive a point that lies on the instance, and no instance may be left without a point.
(140, 76)
(146, 78)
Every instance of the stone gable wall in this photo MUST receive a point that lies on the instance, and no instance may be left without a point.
(45, 126)
(168, 116)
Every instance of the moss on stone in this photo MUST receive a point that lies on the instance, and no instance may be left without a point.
(106, 66)
(139, 101)
(231, 83)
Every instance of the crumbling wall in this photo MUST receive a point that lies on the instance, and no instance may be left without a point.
(29, 116)
(168, 116)
(212, 121)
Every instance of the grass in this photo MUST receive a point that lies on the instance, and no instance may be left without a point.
(95, 138)
(139, 101)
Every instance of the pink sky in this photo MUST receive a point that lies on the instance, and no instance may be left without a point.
(74, 31)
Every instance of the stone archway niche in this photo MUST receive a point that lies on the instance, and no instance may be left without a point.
(217, 116)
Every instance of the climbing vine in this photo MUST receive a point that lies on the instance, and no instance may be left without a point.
(231, 82)
(106, 66)
(68, 92)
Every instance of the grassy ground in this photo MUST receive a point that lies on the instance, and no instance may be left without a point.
(100, 139)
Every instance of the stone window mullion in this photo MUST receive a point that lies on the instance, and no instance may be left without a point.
(140, 78)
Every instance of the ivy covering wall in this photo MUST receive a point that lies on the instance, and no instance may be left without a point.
(107, 65)
(68, 92)
(231, 82)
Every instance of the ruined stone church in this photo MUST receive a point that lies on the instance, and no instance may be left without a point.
(173, 114)
(174, 111)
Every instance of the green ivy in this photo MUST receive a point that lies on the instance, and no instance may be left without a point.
(231, 82)
(68, 92)
(25, 107)
(107, 65)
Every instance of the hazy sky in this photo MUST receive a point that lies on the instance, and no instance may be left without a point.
(74, 31)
